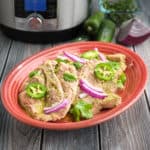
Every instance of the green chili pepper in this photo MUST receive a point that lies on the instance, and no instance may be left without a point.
(106, 31)
(104, 71)
(93, 23)
(81, 38)
(91, 54)
(115, 65)
(36, 90)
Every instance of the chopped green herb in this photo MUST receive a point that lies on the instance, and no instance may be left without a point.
(33, 73)
(78, 65)
(81, 110)
(69, 77)
(121, 81)
(62, 60)
(56, 68)
(121, 10)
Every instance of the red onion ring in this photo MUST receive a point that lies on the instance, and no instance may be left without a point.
(57, 107)
(92, 91)
(74, 57)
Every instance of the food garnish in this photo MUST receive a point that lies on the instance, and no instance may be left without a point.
(56, 107)
(81, 110)
(92, 91)
(91, 54)
(69, 77)
(36, 90)
(76, 85)
(74, 57)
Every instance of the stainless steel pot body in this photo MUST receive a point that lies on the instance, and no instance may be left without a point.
(43, 15)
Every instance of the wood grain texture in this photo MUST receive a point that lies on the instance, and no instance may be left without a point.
(83, 139)
(128, 131)
(5, 44)
(143, 50)
(13, 134)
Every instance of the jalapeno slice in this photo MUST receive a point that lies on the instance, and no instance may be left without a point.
(36, 90)
(104, 71)
(91, 54)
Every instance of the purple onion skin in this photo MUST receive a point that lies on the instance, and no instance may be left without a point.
(56, 108)
(91, 92)
(130, 40)
(74, 57)
(90, 86)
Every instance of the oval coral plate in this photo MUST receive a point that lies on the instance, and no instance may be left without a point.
(136, 80)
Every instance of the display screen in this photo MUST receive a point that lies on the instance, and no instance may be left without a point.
(35, 5)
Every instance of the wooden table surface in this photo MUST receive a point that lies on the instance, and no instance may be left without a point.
(128, 131)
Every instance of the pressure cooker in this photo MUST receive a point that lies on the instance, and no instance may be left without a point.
(42, 20)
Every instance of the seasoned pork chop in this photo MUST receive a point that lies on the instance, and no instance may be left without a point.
(112, 100)
(57, 91)
(51, 74)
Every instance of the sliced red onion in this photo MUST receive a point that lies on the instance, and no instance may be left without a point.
(74, 57)
(102, 56)
(56, 107)
(82, 95)
(82, 81)
(133, 32)
(94, 92)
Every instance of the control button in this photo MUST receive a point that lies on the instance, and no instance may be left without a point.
(35, 23)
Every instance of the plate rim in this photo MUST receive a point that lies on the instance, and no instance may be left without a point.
(81, 124)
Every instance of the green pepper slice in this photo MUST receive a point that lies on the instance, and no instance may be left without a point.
(36, 90)
(104, 71)
(91, 54)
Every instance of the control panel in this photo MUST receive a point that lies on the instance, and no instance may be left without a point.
(36, 14)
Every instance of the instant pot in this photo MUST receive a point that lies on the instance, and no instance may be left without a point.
(42, 20)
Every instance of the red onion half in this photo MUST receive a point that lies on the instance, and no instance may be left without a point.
(74, 57)
(92, 91)
(133, 32)
(56, 107)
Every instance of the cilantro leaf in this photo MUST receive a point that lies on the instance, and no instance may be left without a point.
(81, 110)
(121, 81)
(69, 77)
(62, 60)
(78, 65)
(33, 73)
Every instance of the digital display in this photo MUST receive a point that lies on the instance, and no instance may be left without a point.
(35, 5)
